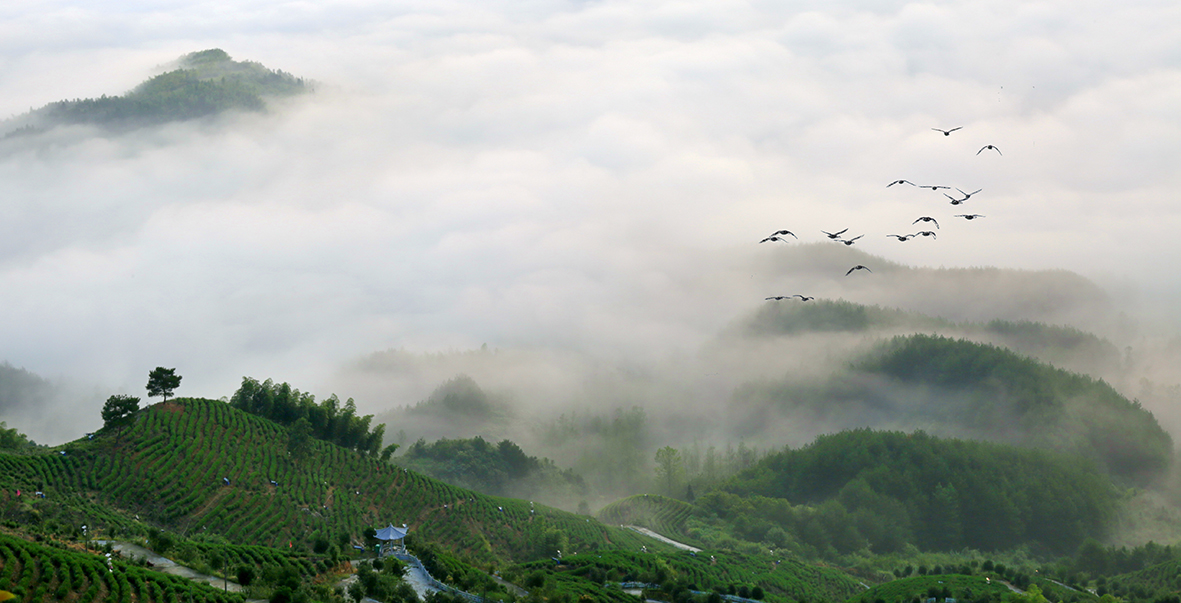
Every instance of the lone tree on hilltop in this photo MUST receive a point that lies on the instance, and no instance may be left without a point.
(162, 381)
(118, 408)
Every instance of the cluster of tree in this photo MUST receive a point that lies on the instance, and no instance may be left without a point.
(1097, 560)
(502, 469)
(329, 420)
(461, 400)
(681, 472)
(832, 316)
(381, 580)
(608, 450)
(1053, 408)
(11, 439)
(881, 490)
(208, 83)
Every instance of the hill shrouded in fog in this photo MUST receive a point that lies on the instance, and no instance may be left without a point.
(202, 84)
(984, 364)
(583, 187)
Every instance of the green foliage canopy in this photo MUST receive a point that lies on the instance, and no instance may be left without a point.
(162, 382)
(881, 489)
(329, 420)
(118, 408)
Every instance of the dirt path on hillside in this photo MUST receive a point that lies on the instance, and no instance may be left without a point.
(168, 566)
(651, 534)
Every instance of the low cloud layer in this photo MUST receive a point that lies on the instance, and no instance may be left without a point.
(584, 176)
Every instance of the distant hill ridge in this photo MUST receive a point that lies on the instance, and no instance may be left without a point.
(204, 84)
(960, 388)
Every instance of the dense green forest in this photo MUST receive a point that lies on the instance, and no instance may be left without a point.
(204, 84)
(967, 389)
(883, 490)
(1052, 407)
(501, 469)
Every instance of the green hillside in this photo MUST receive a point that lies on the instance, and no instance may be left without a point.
(782, 578)
(663, 515)
(204, 84)
(941, 586)
(35, 572)
(973, 390)
(203, 470)
(171, 465)
(1041, 405)
(880, 490)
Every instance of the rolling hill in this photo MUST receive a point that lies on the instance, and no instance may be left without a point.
(203, 469)
(203, 84)
(961, 388)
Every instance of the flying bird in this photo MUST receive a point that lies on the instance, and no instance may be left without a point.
(968, 216)
(900, 182)
(902, 238)
(804, 297)
(835, 235)
(848, 242)
(947, 132)
(967, 195)
(989, 147)
(779, 297)
(780, 233)
(857, 267)
(925, 233)
(933, 187)
(927, 219)
(775, 238)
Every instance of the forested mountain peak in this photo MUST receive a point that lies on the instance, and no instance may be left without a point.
(202, 84)
(955, 387)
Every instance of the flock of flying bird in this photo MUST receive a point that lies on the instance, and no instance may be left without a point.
(781, 235)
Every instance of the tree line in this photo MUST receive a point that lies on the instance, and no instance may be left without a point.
(329, 420)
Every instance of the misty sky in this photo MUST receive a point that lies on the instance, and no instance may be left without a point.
(589, 175)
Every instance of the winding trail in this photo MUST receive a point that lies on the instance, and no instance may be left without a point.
(168, 566)
(664, 539)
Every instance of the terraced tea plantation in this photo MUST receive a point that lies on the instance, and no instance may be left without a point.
(663, 515)
(199, 466)
(34, 572)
